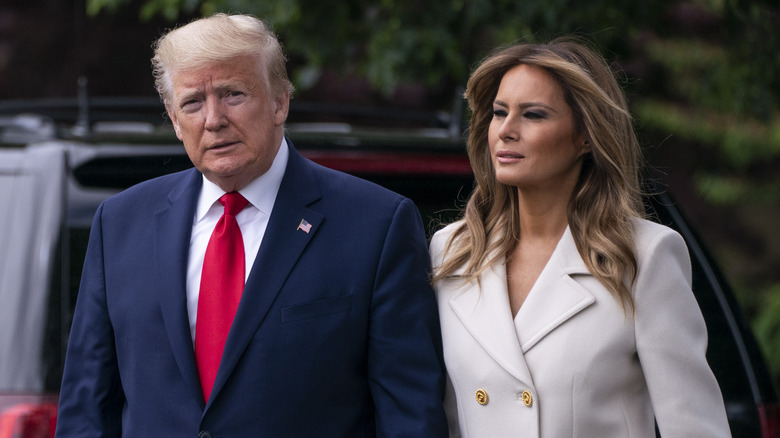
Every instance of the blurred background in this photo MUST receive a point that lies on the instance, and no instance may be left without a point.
(702, 78)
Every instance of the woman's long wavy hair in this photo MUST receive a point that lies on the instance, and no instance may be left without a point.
(607, 195)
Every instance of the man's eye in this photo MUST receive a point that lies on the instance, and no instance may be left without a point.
(190, 104)
(233, 94)
(234, 97)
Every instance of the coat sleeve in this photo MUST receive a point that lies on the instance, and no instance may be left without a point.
(671, 339)
(405, 366)
(91, 397)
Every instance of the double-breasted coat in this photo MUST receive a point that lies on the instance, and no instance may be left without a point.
(572, 363)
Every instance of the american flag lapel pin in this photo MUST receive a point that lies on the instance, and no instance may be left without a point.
(305, 226)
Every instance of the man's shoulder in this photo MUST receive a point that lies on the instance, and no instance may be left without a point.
(155, 190)
(337, 183)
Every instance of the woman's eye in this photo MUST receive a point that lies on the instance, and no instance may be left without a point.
(534, 115)
(499, 113)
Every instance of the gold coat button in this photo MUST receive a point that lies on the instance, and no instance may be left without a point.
(482, 397)
(528, 399)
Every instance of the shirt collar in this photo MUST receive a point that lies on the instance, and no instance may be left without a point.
(261, 192)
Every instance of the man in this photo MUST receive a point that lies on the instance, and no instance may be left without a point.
(300, 309)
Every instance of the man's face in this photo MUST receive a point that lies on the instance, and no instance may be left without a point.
(229, 121)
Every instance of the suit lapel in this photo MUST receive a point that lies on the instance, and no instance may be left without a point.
(484, 310)
(281, 248)
(555, 297)
(173, 227)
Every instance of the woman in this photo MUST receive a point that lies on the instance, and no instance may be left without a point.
(564, 312)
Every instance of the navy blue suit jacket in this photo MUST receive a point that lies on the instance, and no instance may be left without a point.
(336, 334)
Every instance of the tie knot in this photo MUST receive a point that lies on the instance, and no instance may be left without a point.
(233, 203)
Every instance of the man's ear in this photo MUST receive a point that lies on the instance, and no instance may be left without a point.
(174, 120)
(281, 108)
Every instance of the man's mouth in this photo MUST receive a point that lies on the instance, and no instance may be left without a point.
(223, 145)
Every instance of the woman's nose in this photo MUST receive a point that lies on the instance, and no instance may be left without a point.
(508, 130)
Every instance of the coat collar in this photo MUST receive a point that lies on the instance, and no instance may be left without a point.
(484, 311)
(555, 297)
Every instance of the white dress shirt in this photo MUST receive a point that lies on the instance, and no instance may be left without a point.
(253, 220)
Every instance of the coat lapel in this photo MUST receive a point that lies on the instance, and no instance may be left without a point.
(484, 310)
(281, 248)
(555, 297)
(173, 227)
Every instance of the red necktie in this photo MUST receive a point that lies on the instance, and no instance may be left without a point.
(221, 285)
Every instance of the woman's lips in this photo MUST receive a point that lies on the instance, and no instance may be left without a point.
(508, 156)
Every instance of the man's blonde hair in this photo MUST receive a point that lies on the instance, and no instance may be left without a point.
(219, 38)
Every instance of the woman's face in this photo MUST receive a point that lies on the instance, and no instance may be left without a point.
(533, 138)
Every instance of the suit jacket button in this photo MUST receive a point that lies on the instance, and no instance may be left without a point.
(482, 397)
(528, 399)
(204, 434)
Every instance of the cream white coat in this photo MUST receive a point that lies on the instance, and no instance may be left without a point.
(591, 370)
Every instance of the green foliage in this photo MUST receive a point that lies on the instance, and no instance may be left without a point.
(740, 143)
(705, 73)
(767, 327)
(94, 7)
(170, 9)
(721, 189)
(391, 42)
(750, 35)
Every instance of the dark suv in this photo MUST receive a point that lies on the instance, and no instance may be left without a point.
(58, 162)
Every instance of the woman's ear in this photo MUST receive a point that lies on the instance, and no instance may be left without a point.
(584, 144)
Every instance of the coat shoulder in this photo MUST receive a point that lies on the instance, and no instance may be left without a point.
(343, 184)
(440, 240)
(155, 193)
(651, 237)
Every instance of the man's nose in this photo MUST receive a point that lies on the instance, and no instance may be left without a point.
(215, 115)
